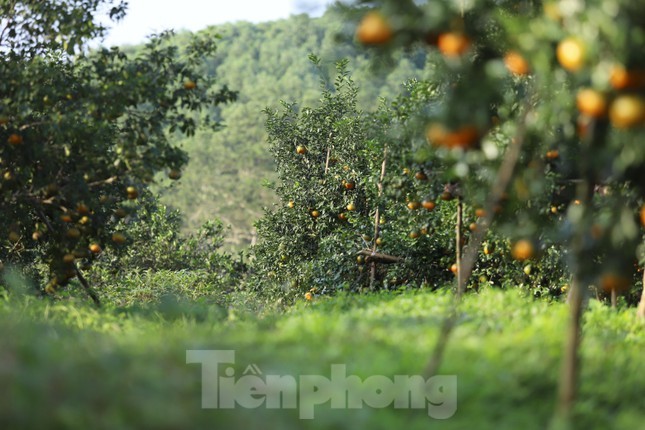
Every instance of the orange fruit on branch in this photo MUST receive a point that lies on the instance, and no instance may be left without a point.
(428, 205)
(464, 137)
(453, 44)
(621, 79)
(627, 111)
(610, 281)
(571, 54)
(591, 103)
(523, 250)
(552, 154)
(374, 29)
(516, 64)
(15, 139)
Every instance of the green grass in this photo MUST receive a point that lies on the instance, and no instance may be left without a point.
(68, 365)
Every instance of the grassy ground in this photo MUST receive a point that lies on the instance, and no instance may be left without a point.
(67, 365)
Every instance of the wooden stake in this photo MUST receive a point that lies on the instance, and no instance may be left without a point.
(377, 218)
(458, 236)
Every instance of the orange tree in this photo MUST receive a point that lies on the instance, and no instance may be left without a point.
(577, 69)
(355, 210)
(82, 132)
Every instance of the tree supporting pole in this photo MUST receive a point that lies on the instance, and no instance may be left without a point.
(458, 240)
(377, 218)
(641, 306)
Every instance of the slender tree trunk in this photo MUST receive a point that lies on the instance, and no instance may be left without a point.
(502, 180)
(641, 306)
(377, 218)
(614, 298)
(458, 236)
(569, 369)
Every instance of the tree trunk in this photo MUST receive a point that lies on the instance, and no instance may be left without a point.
(377, 218)
(569, 369)
(641, 306)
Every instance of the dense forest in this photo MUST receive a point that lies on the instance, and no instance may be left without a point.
(268, 63)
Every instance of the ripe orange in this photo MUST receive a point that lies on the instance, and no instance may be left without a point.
(428, 204)
(309, 296)
(350, 185)
(591, 103)
(351, 207)
(68, 258)
(464, 137)
(15, 139)
(66, 218)
(315, 213)
(414, 234)
(413, 205)
(516, 64)
(342, 216)
(374, 29)
(621, 78)
(642, 215)
(73, 233)
(453, 44)
(301, 150)
(190, 85)
(95, 248)
(480, 213)
(612, 281)
(119, 238)
(472, 226)
(82, 209)
(571, 54)
(132, 192)
(379, 241)
(453, 268)
(627, 111)
(523, 250)
(446, 196)
(552, 154)
(421, 176)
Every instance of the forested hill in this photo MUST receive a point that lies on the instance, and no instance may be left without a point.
(267, 63)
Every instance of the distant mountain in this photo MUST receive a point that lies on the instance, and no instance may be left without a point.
(267, 63)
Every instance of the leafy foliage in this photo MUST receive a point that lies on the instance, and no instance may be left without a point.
(505, 357)
(82, 133)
